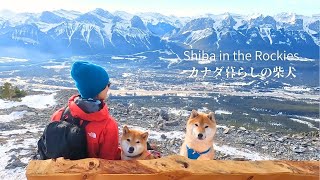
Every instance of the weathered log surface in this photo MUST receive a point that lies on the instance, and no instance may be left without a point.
(172, 167)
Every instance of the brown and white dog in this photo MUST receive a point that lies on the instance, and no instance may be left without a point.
(134, 145)
(198, 142)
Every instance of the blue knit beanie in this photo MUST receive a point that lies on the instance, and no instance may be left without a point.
(90, 78)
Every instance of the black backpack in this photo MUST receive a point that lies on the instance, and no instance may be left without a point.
(65, 138)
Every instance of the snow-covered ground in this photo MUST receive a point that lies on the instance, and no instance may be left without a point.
(34, 101)
(12, 116)
(8, 149)
(17, 146)
(24, 138)
(20, 142)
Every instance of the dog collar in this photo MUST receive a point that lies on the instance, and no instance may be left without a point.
(192, 154)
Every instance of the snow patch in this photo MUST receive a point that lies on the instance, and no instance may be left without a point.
(300, 59)
(57, 67)
(128, 58)
(44, 90)
(12, 116)
(171, 60)
(223, 112)
(41, 101)
(243, 152)
(10, 60)
(297, 89)
(276, 124)
(239, 83)
(179, 112)
(198, 35)
(310, 125)
(127, 75)
(309, 118)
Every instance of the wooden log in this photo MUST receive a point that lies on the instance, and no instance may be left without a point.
(171, 167)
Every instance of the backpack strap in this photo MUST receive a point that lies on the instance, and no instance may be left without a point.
(67, 116)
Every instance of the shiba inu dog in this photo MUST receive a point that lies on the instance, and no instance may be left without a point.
(134, 145)
(198, 142)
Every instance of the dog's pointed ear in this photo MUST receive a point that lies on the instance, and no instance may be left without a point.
(145, 135)
(211, 116)
(125, 129)
(194, 114)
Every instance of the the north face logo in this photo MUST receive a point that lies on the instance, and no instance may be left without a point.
(92, 134)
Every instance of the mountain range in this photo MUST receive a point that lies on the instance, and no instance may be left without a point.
(63, 32)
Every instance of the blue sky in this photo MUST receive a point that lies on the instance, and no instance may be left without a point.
(170, 7)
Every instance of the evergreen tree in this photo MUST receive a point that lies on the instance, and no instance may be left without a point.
(19, 93)
(7, 91)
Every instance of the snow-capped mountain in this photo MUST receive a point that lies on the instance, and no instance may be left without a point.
(103, 32)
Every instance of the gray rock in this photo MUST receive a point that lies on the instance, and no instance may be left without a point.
(242, 128)
(280, 139)
(172, 142)
(286, 137)
(15, 162)
(161, 126)
(238, 158)
(163, 136)
(299, 137)
(226, 131)
(271, 134)
(299, 149)
(225, 156)
(251, 143)
(304, 144)
(122, 120)
(164, 114)
(272, 139)
(172, 123)
(41, 114)
(31, 114)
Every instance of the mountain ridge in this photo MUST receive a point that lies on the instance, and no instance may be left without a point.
(102, 32)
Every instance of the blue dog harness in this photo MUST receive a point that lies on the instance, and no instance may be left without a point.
(192, 154)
